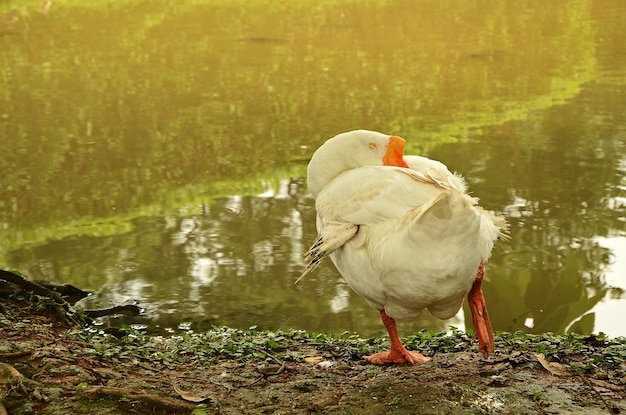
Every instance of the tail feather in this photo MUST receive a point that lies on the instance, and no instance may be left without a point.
(504, 233)
(333, 236)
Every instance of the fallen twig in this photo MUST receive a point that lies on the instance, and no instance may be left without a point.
(58, 294)
(68, 292)
(280, 370)
(13, 355)
(128, 310)
(58, 304)
(264, 375)
(157, 401)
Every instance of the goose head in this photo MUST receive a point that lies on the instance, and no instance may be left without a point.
(352, 150)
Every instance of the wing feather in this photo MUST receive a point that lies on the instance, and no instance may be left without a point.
(365, 196)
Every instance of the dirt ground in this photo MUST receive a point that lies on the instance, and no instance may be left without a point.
(49, 368)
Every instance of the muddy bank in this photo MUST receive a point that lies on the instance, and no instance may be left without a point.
(48, 366)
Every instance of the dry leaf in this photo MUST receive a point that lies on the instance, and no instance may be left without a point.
(554, 368)
(190, 396)
(313, 359)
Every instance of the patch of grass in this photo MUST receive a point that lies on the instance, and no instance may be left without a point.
(131, 344)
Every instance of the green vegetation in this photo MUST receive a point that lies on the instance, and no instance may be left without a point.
(130, 343)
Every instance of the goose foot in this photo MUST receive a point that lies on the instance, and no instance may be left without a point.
(397, 353)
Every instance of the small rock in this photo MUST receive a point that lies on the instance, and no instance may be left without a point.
(326, 365)
(38, 395)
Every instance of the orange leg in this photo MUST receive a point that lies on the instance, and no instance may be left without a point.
(480, 317)
(397, 353)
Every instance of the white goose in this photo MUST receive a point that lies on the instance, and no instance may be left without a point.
(402, 232)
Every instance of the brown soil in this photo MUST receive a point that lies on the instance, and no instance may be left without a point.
(46, 368)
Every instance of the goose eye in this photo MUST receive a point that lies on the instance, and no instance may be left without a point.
(373, 146)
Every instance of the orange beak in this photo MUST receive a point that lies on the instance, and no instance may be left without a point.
(393, 155)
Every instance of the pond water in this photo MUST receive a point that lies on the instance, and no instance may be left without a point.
(156, 151)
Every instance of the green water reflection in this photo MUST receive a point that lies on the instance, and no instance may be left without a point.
(156, 151)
